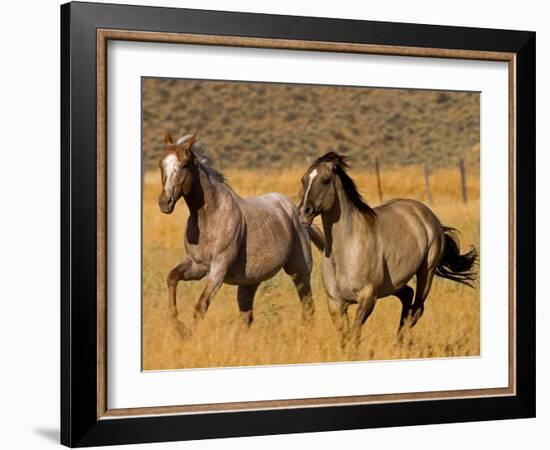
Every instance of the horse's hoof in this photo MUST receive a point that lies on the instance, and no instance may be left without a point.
(183, 332)
(400, 337)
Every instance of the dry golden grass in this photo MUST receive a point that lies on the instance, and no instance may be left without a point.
(449, 326)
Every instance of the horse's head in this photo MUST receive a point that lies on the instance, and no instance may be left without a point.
(319, 191)
(176, 171)
(323, 183)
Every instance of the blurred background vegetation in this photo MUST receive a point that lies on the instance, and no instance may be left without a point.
(251, 125)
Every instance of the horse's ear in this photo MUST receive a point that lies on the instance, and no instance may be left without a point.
(191, 141)
(338, 162)
(168, 138)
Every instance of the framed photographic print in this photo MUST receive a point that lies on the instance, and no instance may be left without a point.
(276, 224)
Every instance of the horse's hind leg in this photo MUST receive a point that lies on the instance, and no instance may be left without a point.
(245, 298)
(300, 271)
(298, 266)
(303, 287)
(406, 296)
(424, 278)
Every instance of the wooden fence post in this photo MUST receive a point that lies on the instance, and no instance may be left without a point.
(463, 181)
(379, 183)
(427, 183)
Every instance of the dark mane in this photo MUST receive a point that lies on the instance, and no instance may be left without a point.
(347, 183)
(204, 163)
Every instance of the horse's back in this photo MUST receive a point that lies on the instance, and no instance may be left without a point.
(408, 211)
(271, 202)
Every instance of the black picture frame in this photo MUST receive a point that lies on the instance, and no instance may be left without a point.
(80, 425)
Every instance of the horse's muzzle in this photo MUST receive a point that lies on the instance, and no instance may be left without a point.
(166, 204)
(307, 215)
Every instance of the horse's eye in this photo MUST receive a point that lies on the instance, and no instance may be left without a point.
(325, 180)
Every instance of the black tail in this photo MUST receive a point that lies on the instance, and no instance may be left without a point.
(317, 237)
(453, 265)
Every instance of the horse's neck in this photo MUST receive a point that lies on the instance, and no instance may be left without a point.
(344, 223)
(204, 195)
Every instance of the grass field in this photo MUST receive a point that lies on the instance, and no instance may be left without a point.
(449, 327)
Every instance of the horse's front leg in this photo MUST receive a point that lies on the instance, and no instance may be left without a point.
(215, 280)
(365, 304)
(338, 309)
(186, 270)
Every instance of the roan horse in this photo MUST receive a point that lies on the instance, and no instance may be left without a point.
(231, 239)
(372, 253)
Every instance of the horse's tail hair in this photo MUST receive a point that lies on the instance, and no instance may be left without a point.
(317, 237)
(453, 265)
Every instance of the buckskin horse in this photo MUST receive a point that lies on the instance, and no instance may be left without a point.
(372, 253)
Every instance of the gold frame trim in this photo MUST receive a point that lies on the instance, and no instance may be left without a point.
(104, 35)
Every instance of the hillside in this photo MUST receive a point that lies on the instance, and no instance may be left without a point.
(249, 125)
